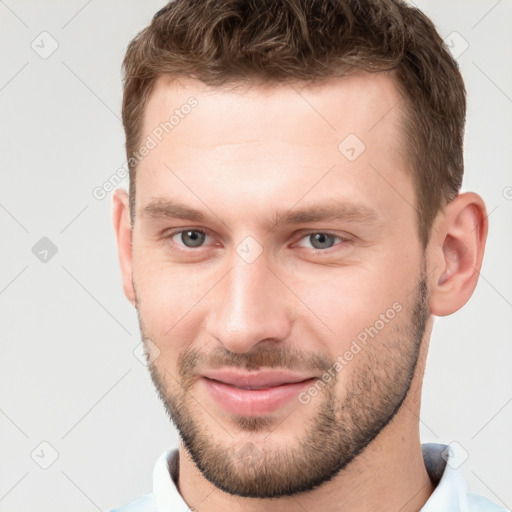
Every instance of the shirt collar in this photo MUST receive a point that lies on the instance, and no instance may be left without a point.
(165, 483)
(451, 492)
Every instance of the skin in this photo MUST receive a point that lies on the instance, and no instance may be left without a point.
(240, 158)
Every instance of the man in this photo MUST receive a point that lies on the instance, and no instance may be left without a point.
(293, 224)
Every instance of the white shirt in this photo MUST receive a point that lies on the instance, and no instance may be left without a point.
(450, 495)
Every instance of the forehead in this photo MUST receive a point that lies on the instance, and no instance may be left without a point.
(358, 103)
(275, 143)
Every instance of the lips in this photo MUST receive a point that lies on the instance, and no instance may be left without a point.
(256, 380)
(254, 393)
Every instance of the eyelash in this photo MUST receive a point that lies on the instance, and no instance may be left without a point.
(340, 240)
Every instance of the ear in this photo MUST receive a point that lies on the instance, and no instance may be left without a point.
(123, 230)
(455, 251)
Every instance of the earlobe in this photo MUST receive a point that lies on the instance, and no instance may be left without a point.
(456, 251)
(123, 229)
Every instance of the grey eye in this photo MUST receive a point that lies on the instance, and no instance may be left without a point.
(192, 238)
(322, 240)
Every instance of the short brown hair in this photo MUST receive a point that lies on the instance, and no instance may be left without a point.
(222, 42)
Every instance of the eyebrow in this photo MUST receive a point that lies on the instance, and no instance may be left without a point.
(172, 209)
(325, 212)
(315, 213)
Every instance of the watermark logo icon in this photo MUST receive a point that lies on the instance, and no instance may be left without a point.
(146, 352)
(455, 455)
(351, 147)
(456, 44)
(249, 454)
(44, 455)
(44, 250)
(249, 249)
(45, 45)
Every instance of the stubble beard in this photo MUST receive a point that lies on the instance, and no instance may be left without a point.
(337, 429)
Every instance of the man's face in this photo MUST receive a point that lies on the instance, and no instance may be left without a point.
(278, 275)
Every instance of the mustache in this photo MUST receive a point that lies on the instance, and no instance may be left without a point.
(193, 360)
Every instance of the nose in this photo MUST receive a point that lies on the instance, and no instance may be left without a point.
(249, 307)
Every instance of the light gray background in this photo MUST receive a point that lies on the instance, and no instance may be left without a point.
(68, 373)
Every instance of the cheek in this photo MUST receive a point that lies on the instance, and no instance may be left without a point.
(168, 298)
(342, 304)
